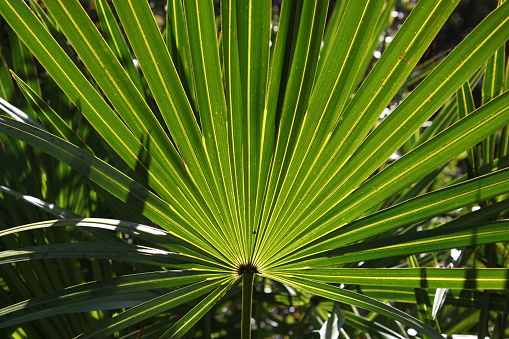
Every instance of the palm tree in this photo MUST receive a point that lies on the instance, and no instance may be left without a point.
(252, 170)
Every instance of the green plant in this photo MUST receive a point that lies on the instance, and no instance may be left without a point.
(251, 163)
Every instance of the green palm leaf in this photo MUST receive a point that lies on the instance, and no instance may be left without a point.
(151, 308)
(63, 301)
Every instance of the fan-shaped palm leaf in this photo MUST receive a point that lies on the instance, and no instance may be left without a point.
(261, 161)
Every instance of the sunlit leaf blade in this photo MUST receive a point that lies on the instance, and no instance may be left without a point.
(452, 278)
(329, 95)
(164, 165)
(176, 40)
(188, 320)
(234, 105)
(117, 43)
(253, 28)
(114, 82)
(466, 105)
(18, 114)
(331, 31)
(413, 165)
(48, 207)
(200, 23)
(379, 31)
(112, 302)
(391, 68)
(111, 179)
(447, 116)
(134, 229)
(403, 245)
(493, 84)
(409, 116)
(150, 308)
(289, 95)
(325, 151)
(89, 101)
(359, 300)
(63, 300)
(414, 210)
(152, 234)
(437, 88)
(111, 251)
(49, 118)
(69, 78)
(45, 18)
(175, 108)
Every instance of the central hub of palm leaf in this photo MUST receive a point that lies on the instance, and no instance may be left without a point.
(247, 268)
